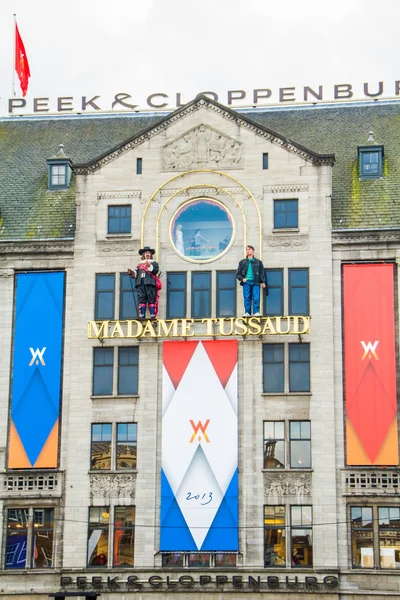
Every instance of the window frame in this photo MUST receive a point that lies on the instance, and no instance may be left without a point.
(175, 290)
(115, 529)
(105, 528)
(98, 291)
(118, 443)
(354, 529)
(219, 288)
(265, 161)
(293, 286)
(275, 527)
(139, 166)
(270, 287)
(183, 559)
(131, 290)
(119, 219)
(194, 290)
(28, 547)
(363, 152)
(297, 528)
(282, 363)
(285, 202)
(277, 439)
(110, 351)
(292, 440)
(92, 442)
(134, 367)
(292, 362)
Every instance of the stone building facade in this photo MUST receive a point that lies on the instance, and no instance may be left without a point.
(86, 457)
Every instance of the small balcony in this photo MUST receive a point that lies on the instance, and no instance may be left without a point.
(370, 482)
(38, 484)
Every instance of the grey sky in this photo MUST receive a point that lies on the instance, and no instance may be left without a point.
(82, 48)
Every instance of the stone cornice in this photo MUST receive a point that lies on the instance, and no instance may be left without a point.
(283, 189)
(360, 237)
(36, 247)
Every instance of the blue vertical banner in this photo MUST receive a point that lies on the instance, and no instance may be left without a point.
(36, 370)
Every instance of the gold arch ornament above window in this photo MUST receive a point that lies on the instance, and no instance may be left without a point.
(202, 230)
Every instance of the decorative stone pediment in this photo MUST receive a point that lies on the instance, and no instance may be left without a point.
(202, 148)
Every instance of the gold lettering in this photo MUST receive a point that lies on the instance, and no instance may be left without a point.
(117, 330)
(222, 328)
(163, 330)
(99, 332)
(139, 329)
(209, 323)
(305, 323)
(254, 326)
(278, 325)
(240, 327)
(268, 327)
(187, 325)
(148, 328)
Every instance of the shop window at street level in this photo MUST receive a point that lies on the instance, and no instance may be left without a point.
(299, 367)
(226, 294)
(176, 295)
(389, 537)
(362, 537)
(104, 296)
(273, 303)
(201, 295)
(128, 370)
(299, 292)
(274, 536)
(30, 538)
(199, 560)
(119, 219)
(286, 214)
(97, 550)
(124, 536)
(300, 444)
(370, 161)
(301, 547)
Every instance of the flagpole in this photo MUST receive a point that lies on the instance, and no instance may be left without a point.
(15, 55)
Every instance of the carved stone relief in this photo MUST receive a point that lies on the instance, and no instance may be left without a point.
(202, 147)
(112, 486)
(287, 484)
(288, 242)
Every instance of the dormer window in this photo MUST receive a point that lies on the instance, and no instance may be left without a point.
(60, 170)
(371, 162)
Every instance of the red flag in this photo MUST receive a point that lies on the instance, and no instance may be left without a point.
(21, 62)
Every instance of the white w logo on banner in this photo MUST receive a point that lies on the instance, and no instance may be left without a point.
(37, 355)
(370, 348)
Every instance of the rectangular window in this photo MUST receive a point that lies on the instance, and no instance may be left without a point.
(299, 367)
(124, 536)
(58, 175)
(119, 219)
(298, 292)
(371, 161)
(265, 160)
(173, 560)
(127, 298)
(286, 214)
(139, 166)
(126, 445)
(201, 295)
(34, 551)
(97, 551)
(226, 294)
(273, 368)
(389, 537)
(274, 536)
(300, 444)
(273, 303)
(104, 296)
(101, 446)
(301, 536)
(128, 370)
(103, 361)
(176, 295)
(362, 542)
(274, 445)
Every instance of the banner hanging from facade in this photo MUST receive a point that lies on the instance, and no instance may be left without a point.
(36, 371)
(370, 364)
(199, 478)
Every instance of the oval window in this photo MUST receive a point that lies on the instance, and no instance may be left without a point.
(202, 230)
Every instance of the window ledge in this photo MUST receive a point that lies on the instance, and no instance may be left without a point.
(286, 230)
(117, 236)
(112, 471)
(288, 394)
(287, 470)
(114, 397)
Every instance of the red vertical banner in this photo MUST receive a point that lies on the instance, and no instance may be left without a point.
(370, 365)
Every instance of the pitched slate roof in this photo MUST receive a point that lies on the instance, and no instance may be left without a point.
(28, 210)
